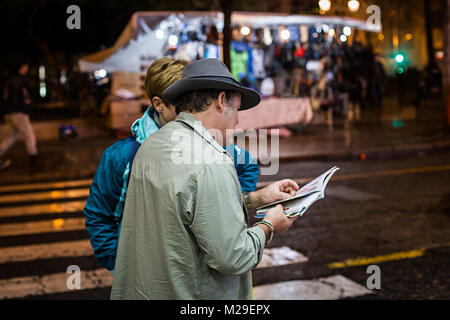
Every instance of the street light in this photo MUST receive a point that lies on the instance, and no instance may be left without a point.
(353, 5)
(324, 5)
(400, 62)
(399, 58)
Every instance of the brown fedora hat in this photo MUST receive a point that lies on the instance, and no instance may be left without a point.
(210, 74)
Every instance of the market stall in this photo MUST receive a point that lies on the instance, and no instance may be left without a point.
(275, 54)
(275, 111)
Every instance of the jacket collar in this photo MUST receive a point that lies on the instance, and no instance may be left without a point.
(198, 127)
(146, 125)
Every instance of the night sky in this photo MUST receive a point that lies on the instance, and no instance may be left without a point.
(28, 26)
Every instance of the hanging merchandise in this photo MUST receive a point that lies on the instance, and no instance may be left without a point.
(294, 34)
(212, 51)
(287, 56)
(190, 51)
(299, 52)
(249, 81)
(276, 50)
(239, 58)
(267, 87)
(212, 34)
(267, 36)
(304, 34)
(299, 55)
(272, 60)
(258, 63)
(313, 35)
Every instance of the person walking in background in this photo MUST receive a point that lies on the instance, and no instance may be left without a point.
(17, 104)
(105, 204)
(376, 83)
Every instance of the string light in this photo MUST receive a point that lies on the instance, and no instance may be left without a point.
(173, 40)
(285, 34)
(245, 30)
(353, 5)
(325, 5)
(347, 31)
(159, 34)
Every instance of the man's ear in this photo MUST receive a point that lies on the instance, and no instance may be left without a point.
(221, 100)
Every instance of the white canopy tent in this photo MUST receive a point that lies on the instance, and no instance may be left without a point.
(142, 38)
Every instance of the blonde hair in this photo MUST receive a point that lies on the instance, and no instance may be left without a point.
(161, 74)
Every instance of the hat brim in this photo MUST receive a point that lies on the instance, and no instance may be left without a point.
(250, 98)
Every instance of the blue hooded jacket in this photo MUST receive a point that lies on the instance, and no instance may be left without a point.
(105, 204)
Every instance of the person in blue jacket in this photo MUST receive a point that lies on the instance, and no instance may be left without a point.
(105, 204)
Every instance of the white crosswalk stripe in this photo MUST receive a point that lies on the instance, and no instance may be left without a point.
(280, 256)
(330, 288)
(46, 185)
(18, 203)
(46, 251)
(45, 195)
(55, 225)
(52, 283)
(47, 208)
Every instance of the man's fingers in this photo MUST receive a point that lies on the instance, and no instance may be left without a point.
(283, 195)
(290, 190)
(288, 184)
(279, 206)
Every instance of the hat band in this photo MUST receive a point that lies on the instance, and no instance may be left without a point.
(214, 78)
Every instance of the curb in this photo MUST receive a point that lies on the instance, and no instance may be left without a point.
(373, 153)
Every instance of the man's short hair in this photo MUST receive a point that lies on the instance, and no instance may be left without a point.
(199, 100)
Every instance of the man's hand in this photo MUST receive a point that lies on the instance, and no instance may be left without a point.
(278, 219)
(280, 190)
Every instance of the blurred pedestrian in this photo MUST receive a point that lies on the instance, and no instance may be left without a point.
(377, 81)
(105, 205)
(17, 103)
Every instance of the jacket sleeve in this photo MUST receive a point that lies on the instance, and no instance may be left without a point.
(104, 194)
(219, 223)
(246, 167)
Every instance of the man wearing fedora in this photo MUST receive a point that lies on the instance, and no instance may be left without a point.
(185, 233)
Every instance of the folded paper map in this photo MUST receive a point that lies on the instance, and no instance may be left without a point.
(304, 197)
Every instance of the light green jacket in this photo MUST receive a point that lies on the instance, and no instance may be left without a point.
(184, 231)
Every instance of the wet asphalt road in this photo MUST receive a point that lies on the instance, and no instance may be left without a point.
(393, 213)
(383, 209)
